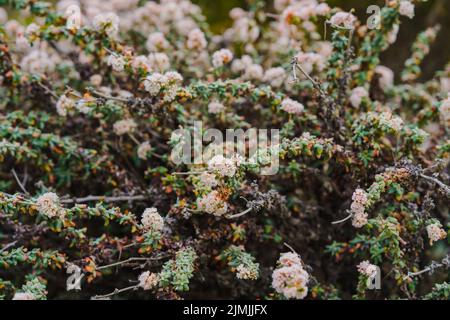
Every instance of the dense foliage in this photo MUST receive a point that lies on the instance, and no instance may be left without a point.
(92, 206)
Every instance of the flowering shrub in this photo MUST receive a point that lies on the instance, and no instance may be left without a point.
(92, 205)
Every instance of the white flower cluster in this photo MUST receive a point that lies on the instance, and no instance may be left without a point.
(143, 150)
(125, 126)
(301, 10)
(169, 82)
(311, 61)
(156, 41)
(394, 122)
(244, 28)
(64, 105)
(358, 94)
(208, 179)
(196, 40)
(292, 106)
(152, 220)
(148, 280)
(250, 70)
(435, 232)
(117, 62)
(249, 272)
(212, 203)
(406, 8)
(108, 22)
(275, 76)
(39, 61)
(343, 19)
(357, 208)
(221, 58)
(24, 296)
(367, 269)
(158, 61)
(444, 110)
(386, 76)
(49, 206)
(225, 167)
(290, 278)
(215, 107)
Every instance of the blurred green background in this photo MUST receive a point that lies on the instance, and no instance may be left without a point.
(427, 14)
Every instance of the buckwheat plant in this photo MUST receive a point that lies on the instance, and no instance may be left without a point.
(93, 92)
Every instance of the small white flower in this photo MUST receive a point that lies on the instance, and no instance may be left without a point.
(143, 150)
(208, 179)
(406, 8)
(116, 62)
(311, 61)
(386, 76)
(223, 166)
(122, 127)
(64, 104)
(96, 80)
(367, 269)
(158, 61)
(152, 220)
(291, 282)
(215, 107)
(288, 259)
(343, 19)
(435, 232)
(292, 106)
(221, 58)
(275, 77)
(157, 42)
(358, 94)
(148, 281)
(246, 273)
(212, 204)
(254, 72)
(109, 22)
(196, 40)
(444, 109)
(358, 208)
(140, 62)
(154, 83)
(24, 296)
(48, 205)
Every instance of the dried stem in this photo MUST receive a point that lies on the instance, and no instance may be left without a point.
(133, 259)
(105, 199)
(19, 182)
(442, 185)
(343, 220)
(116, 291)
(237, 215)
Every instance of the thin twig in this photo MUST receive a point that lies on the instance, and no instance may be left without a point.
(108, 97)
(343, 220)
(9, 245)
(133, 259)
(445, 263)
(187, 173)
(50, 92)
(237, 215)
(19, 182)
(316, 85)
(105, 199)
(116, 291)
(442, 185)
(290, 248)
